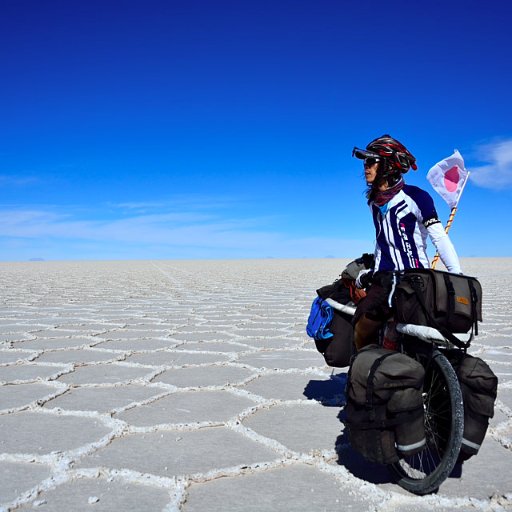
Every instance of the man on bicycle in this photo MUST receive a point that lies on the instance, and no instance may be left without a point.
(403, 216)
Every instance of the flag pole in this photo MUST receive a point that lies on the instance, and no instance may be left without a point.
(450, 219)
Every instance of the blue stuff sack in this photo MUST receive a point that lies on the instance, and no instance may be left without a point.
(319, 320)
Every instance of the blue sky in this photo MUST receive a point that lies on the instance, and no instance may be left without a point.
(223, 129)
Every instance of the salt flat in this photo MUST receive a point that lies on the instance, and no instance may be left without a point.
(191, 386)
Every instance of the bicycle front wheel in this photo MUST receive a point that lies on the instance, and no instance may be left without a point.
(425, 471)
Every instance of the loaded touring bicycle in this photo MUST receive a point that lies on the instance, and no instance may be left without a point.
(424, 407)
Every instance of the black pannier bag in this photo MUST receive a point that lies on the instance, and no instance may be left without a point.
(384, 412)
(338, 350)
(479, 386)
(451, 303)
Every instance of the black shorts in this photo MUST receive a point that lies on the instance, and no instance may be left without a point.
(376, 303)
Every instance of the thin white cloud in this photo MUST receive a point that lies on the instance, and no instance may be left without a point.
(179, 202)
(497, 172)
(160, 235)
(144, 206)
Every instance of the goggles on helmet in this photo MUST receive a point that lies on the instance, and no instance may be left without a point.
(363, 154)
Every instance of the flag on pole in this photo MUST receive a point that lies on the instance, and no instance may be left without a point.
(448, 178)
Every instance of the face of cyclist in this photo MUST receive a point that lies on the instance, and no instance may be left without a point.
(371, 166)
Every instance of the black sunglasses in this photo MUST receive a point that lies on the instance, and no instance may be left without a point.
(364, 154)
(368, 162)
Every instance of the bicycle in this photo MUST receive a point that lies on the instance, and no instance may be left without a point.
(424, 472)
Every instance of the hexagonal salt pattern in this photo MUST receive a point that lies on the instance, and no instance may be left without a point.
(298, 487)
(77, 356)
(186, 407)
(106, 374)
(30, 372)
(22, 395)
(182, 453)
(285, 423)
(37, 433)
(103, 399)
(12, 356)
(185, 386)
(204, 376)
(299, 385)
(17, 478)
(104, 495)
(282, 359)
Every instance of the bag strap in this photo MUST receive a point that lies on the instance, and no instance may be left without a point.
(370, 387)
(474, 301)
(443, 330)
(451, 294)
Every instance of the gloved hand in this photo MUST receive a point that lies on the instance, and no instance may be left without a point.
(364, 278)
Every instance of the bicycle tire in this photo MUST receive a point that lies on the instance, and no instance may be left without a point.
(424, 472)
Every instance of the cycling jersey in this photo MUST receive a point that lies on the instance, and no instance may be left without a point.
(402, 226)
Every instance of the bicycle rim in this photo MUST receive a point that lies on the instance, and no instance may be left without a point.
(425, 471)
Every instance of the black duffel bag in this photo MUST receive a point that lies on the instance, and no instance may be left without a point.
(451, 303)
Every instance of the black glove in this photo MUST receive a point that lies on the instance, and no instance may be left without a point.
(364, 279)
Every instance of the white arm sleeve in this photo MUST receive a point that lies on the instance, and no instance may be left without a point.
(444, 247)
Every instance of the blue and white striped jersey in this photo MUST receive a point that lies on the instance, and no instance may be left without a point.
(401, 229)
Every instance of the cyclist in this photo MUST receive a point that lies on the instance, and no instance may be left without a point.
(403, 216)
